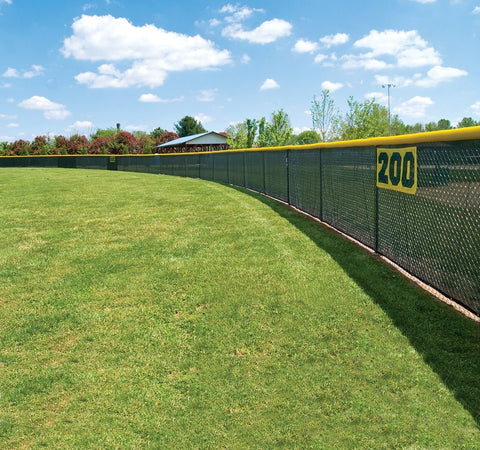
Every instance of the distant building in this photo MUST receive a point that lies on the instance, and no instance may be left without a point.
(204, 142)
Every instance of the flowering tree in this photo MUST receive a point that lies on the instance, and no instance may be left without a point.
(39, 146)
(99, 146)
(77, 144)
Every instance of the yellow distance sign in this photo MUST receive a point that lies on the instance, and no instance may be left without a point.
(397, 169)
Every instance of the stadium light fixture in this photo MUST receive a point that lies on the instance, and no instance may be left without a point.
(388, 86)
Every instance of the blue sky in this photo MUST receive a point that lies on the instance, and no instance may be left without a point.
(75, 66)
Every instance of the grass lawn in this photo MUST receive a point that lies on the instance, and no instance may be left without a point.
(142, 310)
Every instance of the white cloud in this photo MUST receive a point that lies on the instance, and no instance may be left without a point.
(51, 110)
(398, 81)
(35, 71)
(269, 83)
(11, 73)
(80, 126)
(245, 59)
(153, 98)
(331, 86)
(364, 62)
(8, 2)
(425, 1)
(476, 10)
(238, 13)
(203, 118)
(298, 130)
(266, 33)
(415, 108)
(320, 58)
(12, 125)
(379, 97)
(7, 138)
(407, 47)
(228, 9)
(439, 74)
(304, 46)
(7, 116)
(476, 108)
(149, 98)
(418, 57)
(335, 39)
(153, 52)
(207, 95)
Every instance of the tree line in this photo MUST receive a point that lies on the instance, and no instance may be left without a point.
(111, 141)
(362, 120)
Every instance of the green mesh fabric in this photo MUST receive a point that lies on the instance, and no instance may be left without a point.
(206, 166)
(254, 171)
(276, 171)
(192, 166)
(349, 192)
(304, 167)
(179, 166)
(220, 169)
(236, 169)
(435, 234)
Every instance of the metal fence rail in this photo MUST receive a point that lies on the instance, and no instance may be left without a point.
(415, 199)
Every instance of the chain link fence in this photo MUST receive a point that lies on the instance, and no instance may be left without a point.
(419, 207)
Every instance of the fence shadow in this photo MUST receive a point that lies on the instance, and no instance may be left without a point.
(448, 342)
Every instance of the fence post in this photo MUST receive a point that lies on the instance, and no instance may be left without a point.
(214, 175)
(376, 202)
(321, 183)
(244, 170)
(264, 177)
(287, 163)
(228, 167)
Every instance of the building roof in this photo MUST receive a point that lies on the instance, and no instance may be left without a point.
(207, 138)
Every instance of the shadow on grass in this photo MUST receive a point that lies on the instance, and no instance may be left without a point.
(448, 342)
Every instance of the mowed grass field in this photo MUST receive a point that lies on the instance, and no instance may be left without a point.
(141, 310)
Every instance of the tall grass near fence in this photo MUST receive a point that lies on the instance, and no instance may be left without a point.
(141, 310)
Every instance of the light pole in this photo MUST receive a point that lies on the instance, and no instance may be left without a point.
(388, 86)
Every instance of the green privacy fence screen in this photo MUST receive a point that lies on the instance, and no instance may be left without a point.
(414, 199)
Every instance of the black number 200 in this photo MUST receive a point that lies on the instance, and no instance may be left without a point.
(397, 169)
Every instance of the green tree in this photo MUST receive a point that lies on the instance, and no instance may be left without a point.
(364, 120)
(157, 133)
(104, 133)
(262, 140)
(307, 137)
(237, 135)
(252, 126)
(397, 126)
(466, 122)
(431, 126)
(189, 126)
(325, 116)
(444, 124)
(417, 128)
(277, 132)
